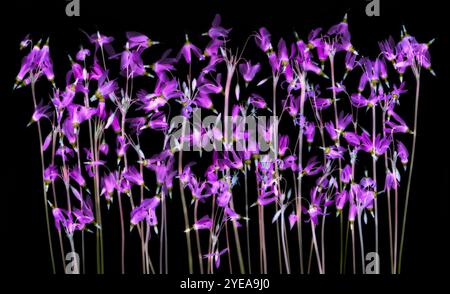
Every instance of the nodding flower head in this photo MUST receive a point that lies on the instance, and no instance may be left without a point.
(132, 175)
(402, 153)
(262, 39)
(205, 223)
(248, 71)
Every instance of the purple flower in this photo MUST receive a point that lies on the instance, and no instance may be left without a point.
(341, 199)
(309, 132)
(387, 47)
(329, 126)
(105, 89)
(352, 214)
(396, 127)
(122, 147)
(216, 256)
(198, 189)
(64, 218)
(46, 63)
(131, 63)
(266, 198)
(358, 100)
(314, 212)
(352, 139)
(350, 62)
(85, 215)
(224, 194)
(132, 175)
(139, 40)
(101, 41)
(34, 65)
(390, 181)
(82, 54)
(294, 105)
(78, 114)
(292, 220)
(25, 42)
(104, 148)
(322, 103)
(312, 167)
(377, 147)
(334, 152)
(343, 121)
(262, 39)
(40, 112)
(187, 50)
(109, 183)
(216, 31)
(146, 210)
(283, 144)
(162, 165)
(402, 153)
(257, 101)
(283, 55)
(158, 121)
(76, 175)
(50, 174)
(346, 174)
(186, 175)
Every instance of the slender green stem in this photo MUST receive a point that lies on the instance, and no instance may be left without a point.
(247, 225)
(197, 236)
(300, 178)
(388, 199)
(361, 241)
(374, 174)
(230, 72)
(72, 247)
(122, 235)
(353, 249)
(183, 201)
(47, 221)
(313, 231)
(322, 239)
(336, 122)
(284, 243)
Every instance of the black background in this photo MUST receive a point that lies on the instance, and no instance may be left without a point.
(425, 251)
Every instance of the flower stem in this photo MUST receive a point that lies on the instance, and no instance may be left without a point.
(322, 237)
(300, 178)
(374, 174)
(336, 121)
(353, 250)
(313, 231)
(183, 201)
(284, 243)
(122, 235)
(411, 166)
(47, 221)
(361, 240)
(230, 72)
(247, 225)
(197, 236)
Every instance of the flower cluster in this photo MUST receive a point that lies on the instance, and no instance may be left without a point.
(334, 147)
